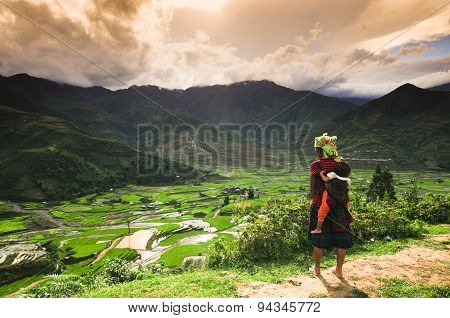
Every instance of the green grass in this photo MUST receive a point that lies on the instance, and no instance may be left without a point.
(84, 247)
(10, 223)
(83, 218)
(78, 268)
(5, 207)
(131, 198)
(398, 288)
(122, 253)
(167, 228)
(197, 284)
(178, 236)
(15, 286)
(174, 257)
(33, 205)
(37, 238)
(220, 222)
(86, 213)
(438, 229)
(163, 220)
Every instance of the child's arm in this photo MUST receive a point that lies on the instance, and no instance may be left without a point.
(324, 176)
(322, 214)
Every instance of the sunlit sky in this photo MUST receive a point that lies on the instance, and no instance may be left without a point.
(299, 44)
(210, 5)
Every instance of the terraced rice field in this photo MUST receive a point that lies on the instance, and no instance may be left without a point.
(162, 224)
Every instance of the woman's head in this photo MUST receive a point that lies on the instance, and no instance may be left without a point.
(342, 169)
(319, 153)
(328, 147)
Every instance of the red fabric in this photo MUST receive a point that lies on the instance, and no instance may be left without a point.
(328, 165)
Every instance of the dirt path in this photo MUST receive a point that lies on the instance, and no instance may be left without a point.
(28, 287)
(416, 264)
(106, 250)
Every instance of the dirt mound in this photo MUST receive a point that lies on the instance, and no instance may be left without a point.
(415, 264)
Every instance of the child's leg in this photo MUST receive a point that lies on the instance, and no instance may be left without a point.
(319, 225)
(318, 253)
(318, 229)
(340, 261)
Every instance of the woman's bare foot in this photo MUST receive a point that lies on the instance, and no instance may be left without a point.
(315, 271)
(338, 273)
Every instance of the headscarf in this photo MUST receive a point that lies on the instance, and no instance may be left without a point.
(328, 144)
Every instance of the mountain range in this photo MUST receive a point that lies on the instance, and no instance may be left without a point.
(59, 139)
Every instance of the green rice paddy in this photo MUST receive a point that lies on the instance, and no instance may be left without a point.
(92, 222)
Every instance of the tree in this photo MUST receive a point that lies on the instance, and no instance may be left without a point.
(226, 200)
(382, 185)
(388, 185)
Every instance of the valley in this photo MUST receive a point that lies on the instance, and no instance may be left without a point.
(205, 186)
(165, 226)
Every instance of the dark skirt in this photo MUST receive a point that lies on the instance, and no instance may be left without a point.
(329, 238)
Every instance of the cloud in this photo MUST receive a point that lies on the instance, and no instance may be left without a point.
(415, 50)
(314, 36)
(106, 37)
(383, 57)
(377, 80)
(297, 44)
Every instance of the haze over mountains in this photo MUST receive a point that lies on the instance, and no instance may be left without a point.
(92, 131)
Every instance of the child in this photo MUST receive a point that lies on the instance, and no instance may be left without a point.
(336, 195)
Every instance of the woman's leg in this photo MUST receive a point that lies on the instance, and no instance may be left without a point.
(340, 261)
(318, 253)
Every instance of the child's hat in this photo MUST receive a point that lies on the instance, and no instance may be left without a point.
(329, 146)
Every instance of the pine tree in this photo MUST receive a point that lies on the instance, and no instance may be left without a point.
(375, 186)
(388, 185)
(382, 185)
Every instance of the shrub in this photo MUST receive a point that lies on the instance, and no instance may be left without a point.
(222, 253)
(59, 286)
(279, 228)
(244, 208)
(383, 218)
(276, 233)
(118, 271)
(433, 208)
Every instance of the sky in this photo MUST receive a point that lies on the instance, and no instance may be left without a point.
(360, 48)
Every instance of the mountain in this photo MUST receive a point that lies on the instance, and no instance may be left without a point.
(443, 87)
(356, 100)
(257, 102)
(112, 114)
(117, 113)
(45, 157)
(408, 126)
(59, 140)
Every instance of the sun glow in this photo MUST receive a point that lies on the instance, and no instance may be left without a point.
(210, 5)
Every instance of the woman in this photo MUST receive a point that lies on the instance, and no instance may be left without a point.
(327, 157)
